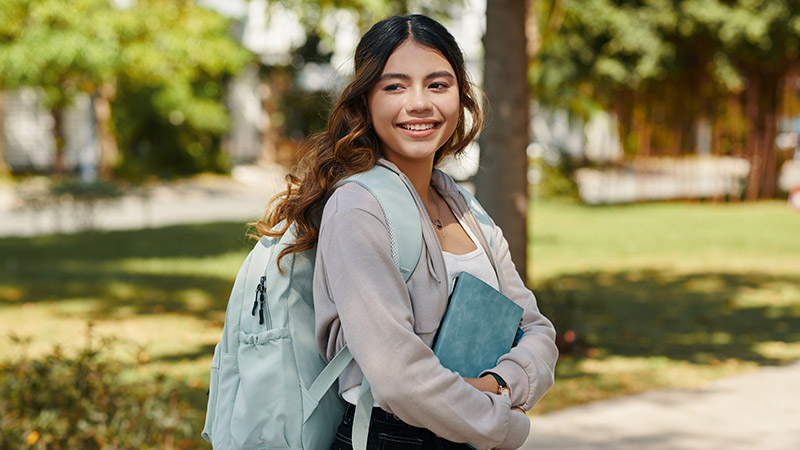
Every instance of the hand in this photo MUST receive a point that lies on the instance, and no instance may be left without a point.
(486, 383)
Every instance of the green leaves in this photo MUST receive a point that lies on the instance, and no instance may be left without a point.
(81, 401)
(165, 58)
(164, 42)
(67, 45)
(620, 45)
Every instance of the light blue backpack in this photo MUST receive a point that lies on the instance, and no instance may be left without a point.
(269, 387)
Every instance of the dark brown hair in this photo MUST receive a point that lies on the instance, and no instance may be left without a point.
(349, 144)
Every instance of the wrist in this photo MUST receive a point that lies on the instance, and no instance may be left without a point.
(502, 387)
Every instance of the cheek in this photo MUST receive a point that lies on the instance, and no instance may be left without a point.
(382, 111)
(452, 102)
(453, 108)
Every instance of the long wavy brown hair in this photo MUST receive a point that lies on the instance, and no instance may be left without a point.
(349, 144)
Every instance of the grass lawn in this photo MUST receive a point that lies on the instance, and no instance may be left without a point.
(665, 295)
(644, 296)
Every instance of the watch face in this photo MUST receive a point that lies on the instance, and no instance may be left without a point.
(506, 392)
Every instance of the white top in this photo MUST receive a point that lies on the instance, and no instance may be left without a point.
(475, 263)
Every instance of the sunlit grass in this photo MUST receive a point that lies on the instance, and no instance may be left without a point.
(679, 237)
(665, 295)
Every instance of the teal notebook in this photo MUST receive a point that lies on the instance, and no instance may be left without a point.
(479, 326)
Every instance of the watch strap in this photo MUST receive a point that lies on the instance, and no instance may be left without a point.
(500, 381)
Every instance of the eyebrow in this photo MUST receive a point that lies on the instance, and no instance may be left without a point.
(403, 76)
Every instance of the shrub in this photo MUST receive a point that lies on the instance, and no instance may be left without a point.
(80, 402)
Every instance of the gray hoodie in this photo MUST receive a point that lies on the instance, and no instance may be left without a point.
(361, 300)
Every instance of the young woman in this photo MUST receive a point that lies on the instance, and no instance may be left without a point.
(409, 105)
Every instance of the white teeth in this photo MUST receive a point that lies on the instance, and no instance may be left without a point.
(420, 127)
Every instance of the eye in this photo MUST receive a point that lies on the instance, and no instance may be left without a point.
(392, 87)
(439, 86)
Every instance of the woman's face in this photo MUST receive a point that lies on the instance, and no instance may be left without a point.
(415, 104)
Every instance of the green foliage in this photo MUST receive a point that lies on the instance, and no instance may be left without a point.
(557, 181)
(169, 111)
(762, 32)
(64, 47)
(165, 132)
(165, 60)
(80, 402)
(599, 47)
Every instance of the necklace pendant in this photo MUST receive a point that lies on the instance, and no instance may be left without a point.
(438, 224)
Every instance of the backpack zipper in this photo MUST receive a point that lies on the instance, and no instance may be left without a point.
(260, 303)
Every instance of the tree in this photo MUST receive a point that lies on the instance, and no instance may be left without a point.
(169, 113)
(62, 47)
(177, 51)
(760, 39)
(664, 67)
(502, 184)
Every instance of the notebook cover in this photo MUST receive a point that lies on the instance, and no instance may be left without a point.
(479, 326)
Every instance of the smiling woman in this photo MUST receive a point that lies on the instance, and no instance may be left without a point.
(414, 106)
(408, 107)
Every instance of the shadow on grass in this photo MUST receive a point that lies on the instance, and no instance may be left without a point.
(91, 266)
(699, 318)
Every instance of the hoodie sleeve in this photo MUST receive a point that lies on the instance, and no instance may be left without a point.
(530, 366)
(364, 302)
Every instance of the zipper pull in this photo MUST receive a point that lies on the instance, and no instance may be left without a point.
(259, 290)
(261, 310)
(260, 296)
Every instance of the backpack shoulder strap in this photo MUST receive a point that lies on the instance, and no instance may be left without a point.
(405, 236)
(399, 210)
(484, 221)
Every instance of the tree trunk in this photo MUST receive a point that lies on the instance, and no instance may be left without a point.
(753, 144)
(105, 136)
(770, 176)
(762, 106)
(58, 137)
(642, 125)
(502, 184)
(4, 169)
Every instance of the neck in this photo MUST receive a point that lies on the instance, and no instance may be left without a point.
(419, 173)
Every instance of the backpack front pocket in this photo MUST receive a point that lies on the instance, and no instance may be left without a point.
(268, 406)
(226, 383)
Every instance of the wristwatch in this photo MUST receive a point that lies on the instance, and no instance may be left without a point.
(502, 388)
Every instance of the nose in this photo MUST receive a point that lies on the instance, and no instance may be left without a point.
(418, 101)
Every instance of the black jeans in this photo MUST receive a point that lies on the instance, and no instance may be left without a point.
(387, 432)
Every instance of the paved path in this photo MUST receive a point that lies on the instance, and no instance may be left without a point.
(759, 410)
(203, 199)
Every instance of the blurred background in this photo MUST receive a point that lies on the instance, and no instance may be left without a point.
(641, 157)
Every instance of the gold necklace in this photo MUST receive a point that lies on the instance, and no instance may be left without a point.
(438, 221)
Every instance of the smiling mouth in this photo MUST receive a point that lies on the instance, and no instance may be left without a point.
(418, 127)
